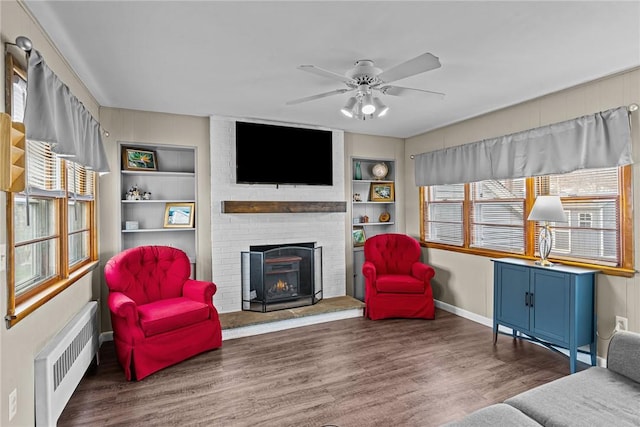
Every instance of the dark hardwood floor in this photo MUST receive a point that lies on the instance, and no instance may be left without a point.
(353, 372)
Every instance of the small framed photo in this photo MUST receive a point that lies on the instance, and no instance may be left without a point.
(134, 159)
(382, 192)
(179, 215)
(358, 236)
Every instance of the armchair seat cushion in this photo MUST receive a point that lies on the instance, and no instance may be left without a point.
(399, 284)
(169, 314)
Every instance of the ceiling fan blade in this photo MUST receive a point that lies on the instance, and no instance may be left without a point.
(325, 73)
(417, 65)
(401, 91)
(318, 96)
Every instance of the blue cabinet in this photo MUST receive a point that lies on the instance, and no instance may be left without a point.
(553, 306)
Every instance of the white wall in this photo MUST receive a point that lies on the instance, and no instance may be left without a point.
(232, 234)
(20, 344)
(466, 281)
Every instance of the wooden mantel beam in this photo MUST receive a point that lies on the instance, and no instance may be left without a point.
(253, 207)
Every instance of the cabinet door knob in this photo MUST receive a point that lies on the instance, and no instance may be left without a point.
(531, 299)
(526, 299)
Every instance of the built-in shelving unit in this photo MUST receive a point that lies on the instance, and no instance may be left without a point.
(368, 209)
(173, 181)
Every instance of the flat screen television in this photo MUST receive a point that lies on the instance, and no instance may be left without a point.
(270, 154)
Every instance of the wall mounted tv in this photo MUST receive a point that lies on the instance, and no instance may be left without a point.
(270, 154)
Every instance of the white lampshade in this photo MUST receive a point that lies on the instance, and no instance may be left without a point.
(547, 208)
(381, 109)
(367, 104)
(347, 110)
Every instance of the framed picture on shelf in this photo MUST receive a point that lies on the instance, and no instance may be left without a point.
(179, 215)
(134, 159)
(358, 236)
(382, 192)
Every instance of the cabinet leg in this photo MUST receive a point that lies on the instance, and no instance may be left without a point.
(495, 336)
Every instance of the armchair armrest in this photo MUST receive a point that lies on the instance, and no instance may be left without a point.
(123, 306)
(199, 290)
(369, 271)
(422, 271)
(623, 356)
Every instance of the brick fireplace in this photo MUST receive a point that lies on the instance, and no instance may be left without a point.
(234, 233)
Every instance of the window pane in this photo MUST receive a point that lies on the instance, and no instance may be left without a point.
(593, 182)
(444, 223)
(78, 240)
(34, 263)
(497, 215)
(78, 247)
(77, 212)
(41, 215)
(590, 231)
(446, 192)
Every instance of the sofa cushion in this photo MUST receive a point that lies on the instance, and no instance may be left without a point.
(170, 314)
(593, 397)
(397, 283)
(623, 356)
(499, 414)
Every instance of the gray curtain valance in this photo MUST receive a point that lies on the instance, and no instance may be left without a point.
(55, 116)
(595, 141)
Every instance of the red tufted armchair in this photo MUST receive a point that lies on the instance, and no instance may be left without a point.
(159, 316)
(397, 284)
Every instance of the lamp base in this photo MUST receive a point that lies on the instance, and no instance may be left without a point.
(544, 263)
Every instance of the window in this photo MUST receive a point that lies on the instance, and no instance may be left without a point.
(489, 218)
(443, 216)
(51, 228)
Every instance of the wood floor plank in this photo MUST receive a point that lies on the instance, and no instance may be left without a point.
(348, 373)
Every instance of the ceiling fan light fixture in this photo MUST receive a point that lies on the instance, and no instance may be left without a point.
(381, 109)
(367, 104)
(348, 109)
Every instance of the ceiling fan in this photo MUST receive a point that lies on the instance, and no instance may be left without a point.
(365, 79)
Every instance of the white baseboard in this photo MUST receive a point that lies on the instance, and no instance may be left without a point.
(486, 321)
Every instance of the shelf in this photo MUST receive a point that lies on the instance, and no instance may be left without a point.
(157, 230)
(157, 201)
(372, 223)
(373, 203)
(369, 181)
(159, 173)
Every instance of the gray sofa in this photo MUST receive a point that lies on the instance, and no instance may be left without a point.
(594, 397)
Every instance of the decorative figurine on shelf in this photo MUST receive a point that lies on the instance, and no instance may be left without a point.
(134, 193)
(384, 217)
(364, 218)
(356, 197)
(146, 195)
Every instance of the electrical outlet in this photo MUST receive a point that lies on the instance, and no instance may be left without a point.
(13, 403)
(622, 324)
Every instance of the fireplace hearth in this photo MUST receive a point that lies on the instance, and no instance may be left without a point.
(277, 277)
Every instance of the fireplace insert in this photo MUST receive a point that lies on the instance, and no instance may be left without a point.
(277, 277)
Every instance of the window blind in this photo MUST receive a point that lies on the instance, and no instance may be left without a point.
(497, 215)
(591, 200)
(444, 214)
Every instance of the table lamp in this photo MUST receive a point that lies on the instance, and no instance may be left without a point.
(546, 209)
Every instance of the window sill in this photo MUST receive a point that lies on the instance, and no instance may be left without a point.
(608, 270)
(38, 300)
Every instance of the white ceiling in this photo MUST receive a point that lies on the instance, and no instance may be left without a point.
(240, 58)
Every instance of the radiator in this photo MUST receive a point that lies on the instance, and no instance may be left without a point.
(62, 363)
